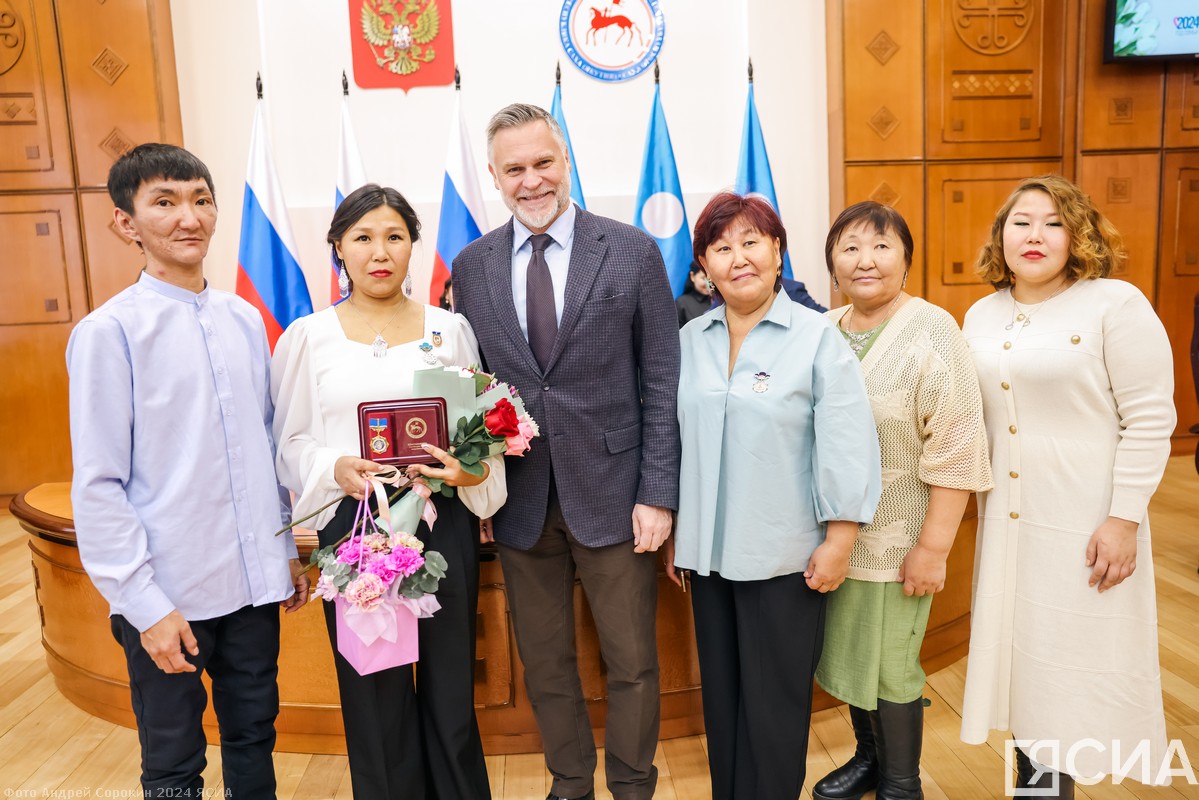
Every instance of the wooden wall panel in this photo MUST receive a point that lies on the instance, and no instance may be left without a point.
(1121, 104)
(995, 78)
(33, 234)
(1179, 273)
(121, 86)
(493, 656)
(962, 201)
(1182, 105)
(34, 429)
(1126, 187)
(883, 68)
(900, 186)
(35, 149)
(113, 262)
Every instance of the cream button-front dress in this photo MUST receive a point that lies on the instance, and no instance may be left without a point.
(1079, 412)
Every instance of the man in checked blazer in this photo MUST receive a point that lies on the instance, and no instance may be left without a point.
(582, 321)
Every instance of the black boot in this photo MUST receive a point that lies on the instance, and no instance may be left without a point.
(859, 774)
(1025, 772)
(898, 730)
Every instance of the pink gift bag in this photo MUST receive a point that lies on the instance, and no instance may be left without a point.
(382, 652)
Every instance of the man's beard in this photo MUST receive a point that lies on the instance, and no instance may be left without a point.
(561, 197)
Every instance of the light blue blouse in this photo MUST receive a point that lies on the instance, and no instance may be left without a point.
(771, 454)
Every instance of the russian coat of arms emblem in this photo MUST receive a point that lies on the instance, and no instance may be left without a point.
(401, 43)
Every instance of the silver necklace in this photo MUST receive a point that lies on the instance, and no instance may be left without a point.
(858, 339)
(1024, 315)
(379, 345)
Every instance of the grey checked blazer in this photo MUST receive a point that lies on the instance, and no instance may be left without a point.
(606, 401)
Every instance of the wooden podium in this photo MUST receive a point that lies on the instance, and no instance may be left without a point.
(89, 667)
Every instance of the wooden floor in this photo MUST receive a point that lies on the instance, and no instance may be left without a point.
(49, 748)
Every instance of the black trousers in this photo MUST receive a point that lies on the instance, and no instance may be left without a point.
(758, 644)
(412, 733)
(240, 653)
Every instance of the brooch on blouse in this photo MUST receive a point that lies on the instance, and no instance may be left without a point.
(437, 338)
(427, 349)
(760, 382)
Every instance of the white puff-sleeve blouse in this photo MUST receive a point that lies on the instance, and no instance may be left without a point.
(318, 378)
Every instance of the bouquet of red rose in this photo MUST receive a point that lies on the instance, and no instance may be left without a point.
(492, 419)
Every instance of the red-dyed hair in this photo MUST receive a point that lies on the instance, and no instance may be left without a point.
(725, 208)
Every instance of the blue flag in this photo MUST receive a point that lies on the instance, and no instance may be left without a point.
(660, 211)
(753, 170)
(576, 188)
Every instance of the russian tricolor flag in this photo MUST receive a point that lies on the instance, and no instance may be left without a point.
(351, 174)
(268, 272)
(462, 219)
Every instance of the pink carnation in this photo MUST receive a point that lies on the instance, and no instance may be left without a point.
(405, 561)
(325, 589)
(350, 551)
(383, 569)
(518, 444)
(365, 591)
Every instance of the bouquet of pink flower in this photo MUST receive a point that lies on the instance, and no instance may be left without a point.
(492, 419)
(382, 580)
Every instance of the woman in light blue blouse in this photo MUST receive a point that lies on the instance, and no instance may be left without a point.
(780, 465)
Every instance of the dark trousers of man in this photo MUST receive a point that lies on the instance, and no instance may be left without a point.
(240, 653)
(758, 644)
(422, 742)
(622, 591)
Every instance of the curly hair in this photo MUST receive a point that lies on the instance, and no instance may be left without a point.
(1096, 247)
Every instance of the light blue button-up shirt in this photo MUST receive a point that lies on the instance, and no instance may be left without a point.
(774, 452)
(174, 492)
(557, 258)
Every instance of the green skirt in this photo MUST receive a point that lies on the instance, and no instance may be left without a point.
(872, 638)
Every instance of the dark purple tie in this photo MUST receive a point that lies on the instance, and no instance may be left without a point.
(540, 313)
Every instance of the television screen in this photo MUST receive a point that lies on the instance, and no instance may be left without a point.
(1151, 29)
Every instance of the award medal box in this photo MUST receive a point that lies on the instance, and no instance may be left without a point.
(392, 431)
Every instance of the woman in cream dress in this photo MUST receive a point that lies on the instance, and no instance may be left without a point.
(1077, 385)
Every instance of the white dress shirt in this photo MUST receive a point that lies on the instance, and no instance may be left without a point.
(557, 258)
(319, 377)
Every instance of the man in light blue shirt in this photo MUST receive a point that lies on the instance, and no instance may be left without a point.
(174, 491)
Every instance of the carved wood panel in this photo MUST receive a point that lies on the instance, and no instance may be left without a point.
(34, 146)
(962, 201)
(493, 657)
(119, 60)
(1125, 187)
(1178, 278)
(1180, 214)
(994, 78)
(1182, 105)
(34, 426)
(35, 235)
(900, 186)
(1121, 103)
(884, 58)
(113, 262)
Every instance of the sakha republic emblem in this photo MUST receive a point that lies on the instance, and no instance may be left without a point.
(611, 40)
(401, 44)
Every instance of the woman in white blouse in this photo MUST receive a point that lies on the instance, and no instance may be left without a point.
(403, 740)
(1077, 385)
